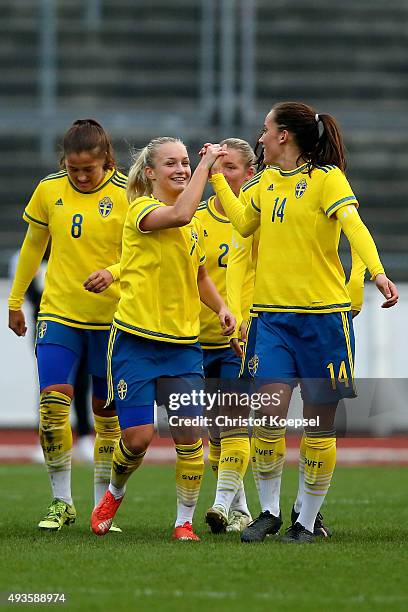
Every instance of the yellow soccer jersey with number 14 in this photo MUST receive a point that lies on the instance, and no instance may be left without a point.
(217, 240)
(86, 235)
(299, 269)
(159, 297)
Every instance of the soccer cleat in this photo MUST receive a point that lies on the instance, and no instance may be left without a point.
(265, 524)
(184, 533)
(217, 519)
(59, 513)
(103, 513)
(114, 528)
(237, 521)
(297, 534)
(319, 528)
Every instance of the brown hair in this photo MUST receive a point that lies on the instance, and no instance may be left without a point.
(88, 135)
(138, 184)
(318, 147)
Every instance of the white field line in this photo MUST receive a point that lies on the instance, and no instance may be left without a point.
(166, 454)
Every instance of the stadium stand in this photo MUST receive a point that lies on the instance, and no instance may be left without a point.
(137, 66)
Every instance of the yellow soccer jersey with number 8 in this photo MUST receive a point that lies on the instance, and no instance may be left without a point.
(86, 235)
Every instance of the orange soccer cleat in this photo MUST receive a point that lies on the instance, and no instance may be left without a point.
(103, 513)
(184, 533)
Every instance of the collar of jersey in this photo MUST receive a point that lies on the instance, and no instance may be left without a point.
(289, 172)
(113, 172)
(214, 212)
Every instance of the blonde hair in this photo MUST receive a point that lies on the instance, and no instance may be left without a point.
(244, 148)
(138, 184)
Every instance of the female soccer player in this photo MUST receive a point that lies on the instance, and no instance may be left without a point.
(82, 209)
(301, 201)
(156, 326)
(228, 450)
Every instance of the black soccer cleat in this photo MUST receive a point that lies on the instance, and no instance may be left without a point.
(319, 528)
(265, 524)
(297, 534)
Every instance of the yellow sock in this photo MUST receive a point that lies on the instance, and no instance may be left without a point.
(107, 432)
(124, 463)
(214, 447)
(253, 464)
(301, 487)
(319, 462)
(233, 464)
(270, 449)
(189, 474)
(56, 441)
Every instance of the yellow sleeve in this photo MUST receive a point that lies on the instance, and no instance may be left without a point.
(355, 285)
(360, 238)
(36, 211)
(140, 208)
(336, 192)
(243, 212)
(237, 268)
(31, 255)
(114, 270)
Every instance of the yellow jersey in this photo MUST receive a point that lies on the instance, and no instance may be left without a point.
(159, 296)
(86, 235)
(299, 269)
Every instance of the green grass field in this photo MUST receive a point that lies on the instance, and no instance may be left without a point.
(363, 567)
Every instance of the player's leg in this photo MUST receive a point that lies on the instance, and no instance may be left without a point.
(106, 422)
(58, 353)
(275, 371)
(183, 365)
(230, 510)
(327, 358)
(130, 387)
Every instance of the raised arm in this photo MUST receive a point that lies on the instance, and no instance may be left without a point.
(183, 210)
(243, 212)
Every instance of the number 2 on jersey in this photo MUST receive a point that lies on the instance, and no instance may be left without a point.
(224, 248)
(76, 228)
(278, 209)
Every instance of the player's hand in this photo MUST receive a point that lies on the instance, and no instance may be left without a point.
(227, 321)
(17, 322)
(98, 281)
(354, 313)
(209, 153)
(388, 289)
(236, 347)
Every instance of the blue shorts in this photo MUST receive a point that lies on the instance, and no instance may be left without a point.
(247, 370)
(316, 350)
(135, 367)
(221, 363)
(59, 349)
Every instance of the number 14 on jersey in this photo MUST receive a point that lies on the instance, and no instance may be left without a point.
(278, 209)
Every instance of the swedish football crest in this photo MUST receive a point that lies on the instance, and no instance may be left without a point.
(253, 364)
(42, 329)
(300, 188)
(122, 389)
(105, 207)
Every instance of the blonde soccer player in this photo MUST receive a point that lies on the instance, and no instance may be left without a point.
(156, 325)
(82, 209)
(301, 201)
(228, 444)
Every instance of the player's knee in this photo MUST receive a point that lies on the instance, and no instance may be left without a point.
(136, 441)
(54, 409)
(65, 389)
